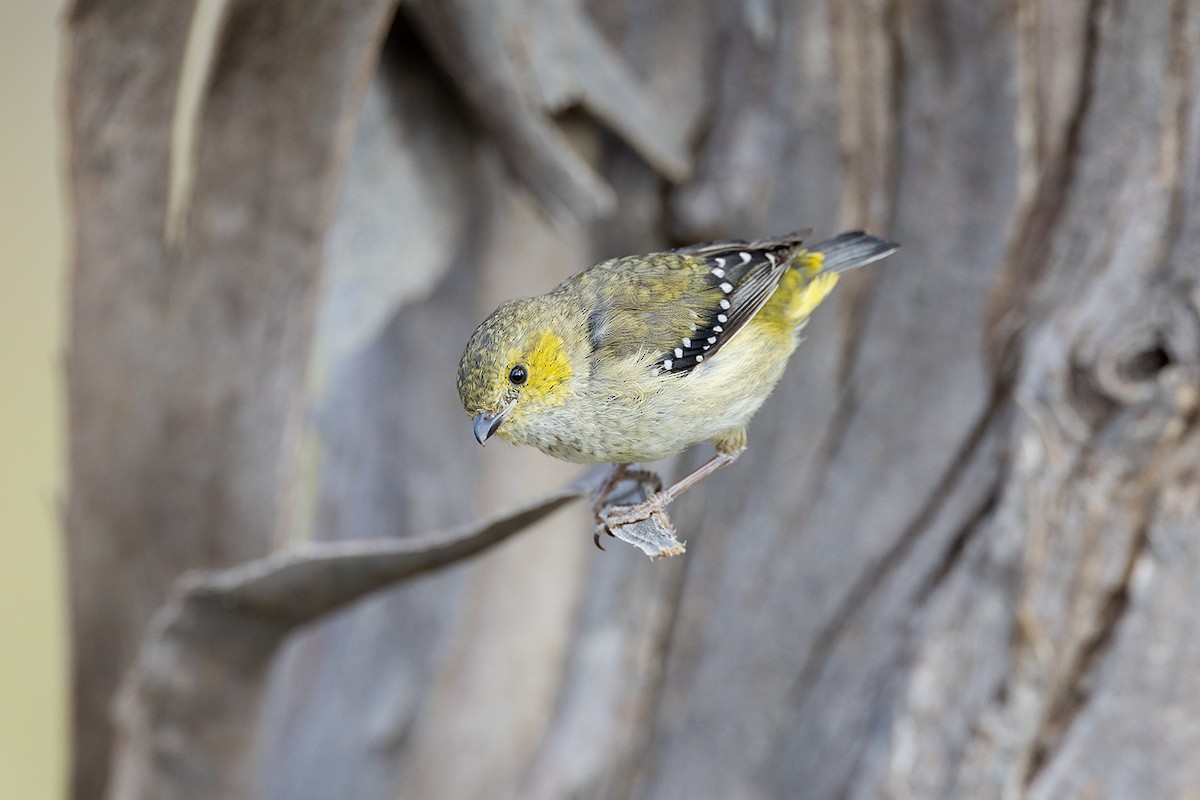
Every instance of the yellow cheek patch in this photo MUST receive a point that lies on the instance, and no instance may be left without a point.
(549, 368)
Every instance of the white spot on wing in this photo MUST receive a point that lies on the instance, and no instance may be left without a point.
(687, 342)
(718, 272)
(699, 359)
(725, 304)
(667, 365)
(726, 287)
(679, 352)
(745, 257)
(722, 317)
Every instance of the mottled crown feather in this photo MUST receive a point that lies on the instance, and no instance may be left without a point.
(482, 368)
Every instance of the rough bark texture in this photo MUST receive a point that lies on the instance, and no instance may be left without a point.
(187, 358)
(959, 558)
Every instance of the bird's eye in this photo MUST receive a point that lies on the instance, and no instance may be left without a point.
(518, 375)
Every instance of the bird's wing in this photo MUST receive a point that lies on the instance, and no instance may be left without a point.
(686, 304)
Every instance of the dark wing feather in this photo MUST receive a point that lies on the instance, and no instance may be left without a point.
(743, 276)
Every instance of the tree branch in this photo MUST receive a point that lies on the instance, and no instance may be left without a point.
(188, 709)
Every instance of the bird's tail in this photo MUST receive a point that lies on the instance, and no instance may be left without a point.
(816, 269)
(844, 252)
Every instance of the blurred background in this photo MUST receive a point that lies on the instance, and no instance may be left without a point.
(33, 640)
(958, 559)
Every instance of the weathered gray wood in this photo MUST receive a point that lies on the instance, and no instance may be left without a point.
(864, 439)
(957, 559)
(1104, 406)
(189, 707)
(518, 62)
(187, 359)
(119, 134)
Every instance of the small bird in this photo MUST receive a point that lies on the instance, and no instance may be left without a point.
(638, 358)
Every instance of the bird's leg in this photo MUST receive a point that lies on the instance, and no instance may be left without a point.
(624, 515)
(600, 494)
(605, 487)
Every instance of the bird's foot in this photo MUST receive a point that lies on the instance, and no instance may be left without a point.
(636, 514)
(627, 515)
(656, 503)
(603, 512)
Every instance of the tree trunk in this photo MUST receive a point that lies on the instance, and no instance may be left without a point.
(958, 559)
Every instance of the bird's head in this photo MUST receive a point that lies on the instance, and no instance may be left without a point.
(517, 364)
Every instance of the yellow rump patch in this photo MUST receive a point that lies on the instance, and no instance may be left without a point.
(805, 298)
(810, 263)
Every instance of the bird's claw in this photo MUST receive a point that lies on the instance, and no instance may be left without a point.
(601, 527)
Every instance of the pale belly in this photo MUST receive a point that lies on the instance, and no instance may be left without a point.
(623, 420)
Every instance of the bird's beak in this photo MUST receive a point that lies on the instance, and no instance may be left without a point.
(487, 422)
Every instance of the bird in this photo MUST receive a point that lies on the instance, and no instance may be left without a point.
(640, 357)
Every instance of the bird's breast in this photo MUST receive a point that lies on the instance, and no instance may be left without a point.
(629, 411)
